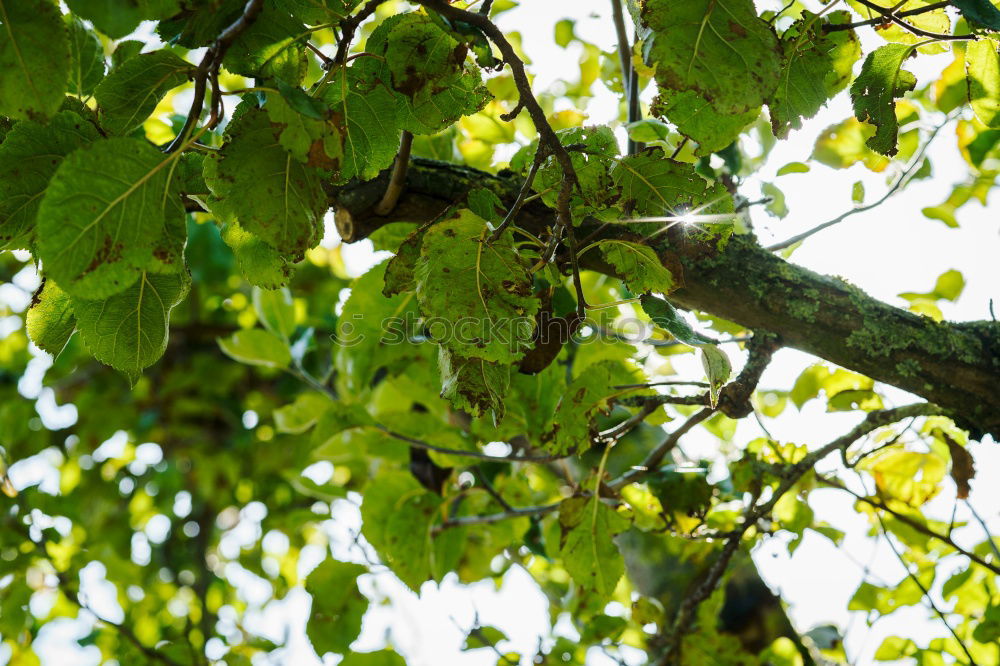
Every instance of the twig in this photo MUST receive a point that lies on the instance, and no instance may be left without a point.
(900, 182)
(656, 456)
(907, 520)
(834, 27)
(924, 590)
(349, 26)
(522, 196)
(625, 58)
(397, 182)
(664, 383)
(888, 14)
(488, 487)
(464, 521)
(526, 100)
(986, 529)
(209, 69)
(326, 60)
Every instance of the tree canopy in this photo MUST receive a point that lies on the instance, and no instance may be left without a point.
(195, 384)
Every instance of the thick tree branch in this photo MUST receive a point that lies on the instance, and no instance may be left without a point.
(952, 365)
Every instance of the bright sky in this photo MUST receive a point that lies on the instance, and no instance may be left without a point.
(887, 251)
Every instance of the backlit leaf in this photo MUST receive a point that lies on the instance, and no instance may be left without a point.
(131, 91)
(102, 215)
(589, 552)
(128, 330)
(718, 48)
(34, 59)
(881, 81)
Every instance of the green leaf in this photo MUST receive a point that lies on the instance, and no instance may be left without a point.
(597, 150)
(589, 551)
(648, 129)
(816, 64)
(29, 156)
(483, 637)
(273, 195)
(131, 92)
(50, 320)
(479, 295)
(486, 205)
(337, 418)
(720, 49)
(982, 12)
(301, 415)
(793, 167)
(380, 658)
(373, 332)
(102, 215)
(776, 205)
(272, 47)
(666, 317)
(590, 394)
(315, 12)
(256, 347)
(313, 141)
(117, 19)
(426, 67)
(300, 101)
(858, 192)
(260, 264)
(982, 66)
(717, 368)
(364, 113)
(654, 185)
(128, 330)
(34, 59)
(276, 310)
(337, 606)
(697, 119)
(880, 82)
(472, 384)
(397, 515)
(637, 265)
(86, 59)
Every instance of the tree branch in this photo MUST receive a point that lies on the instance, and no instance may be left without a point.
(952, 365)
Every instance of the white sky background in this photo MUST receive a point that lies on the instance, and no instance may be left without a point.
(885, 252)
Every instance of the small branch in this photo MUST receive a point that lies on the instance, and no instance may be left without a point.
(522, 195)
(664, 383)
(421, 444)
(628, 74)
(834, 27)
(464, 521)
(326, 60)
(546, 135)
(349, 26)
(911, 522)
(656, 456)
(899, 183)
(397, 182)
(924, 590)
(488, 487)
(888, 15)
(209, 70)
(986, 529)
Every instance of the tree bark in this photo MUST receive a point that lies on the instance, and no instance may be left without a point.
(955, 365)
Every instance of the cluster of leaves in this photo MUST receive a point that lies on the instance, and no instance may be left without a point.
(402, 387)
